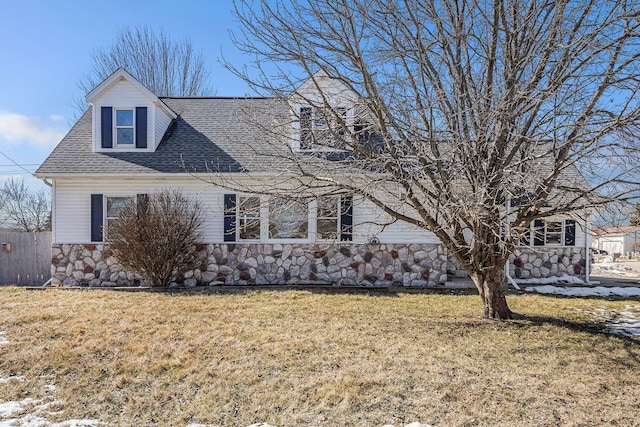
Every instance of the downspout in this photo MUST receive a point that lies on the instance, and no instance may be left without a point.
(50, 185)
(506, 264)
(587, 252)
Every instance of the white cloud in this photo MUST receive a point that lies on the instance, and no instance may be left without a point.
(17, 129)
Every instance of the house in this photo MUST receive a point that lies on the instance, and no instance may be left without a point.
(617, 240)
(131, 142)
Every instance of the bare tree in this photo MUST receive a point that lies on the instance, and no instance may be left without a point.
(464, 105)
(635, 216)
(24, 209)
(157, 236)
(165, 67)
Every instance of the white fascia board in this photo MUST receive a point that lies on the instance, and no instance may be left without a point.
(122, 74)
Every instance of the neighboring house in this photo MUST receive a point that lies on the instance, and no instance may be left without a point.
(131, 142)
(617, 240)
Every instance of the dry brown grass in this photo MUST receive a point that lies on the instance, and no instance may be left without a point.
(302, 358)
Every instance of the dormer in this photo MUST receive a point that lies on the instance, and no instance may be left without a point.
(321, 108)
(127, 117)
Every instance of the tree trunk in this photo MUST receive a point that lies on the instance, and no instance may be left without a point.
(491, 288)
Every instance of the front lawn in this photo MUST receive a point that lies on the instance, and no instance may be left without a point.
(303, 358)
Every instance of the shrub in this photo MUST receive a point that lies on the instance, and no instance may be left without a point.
(157, 235)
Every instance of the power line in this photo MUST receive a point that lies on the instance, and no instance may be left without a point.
(16, 163)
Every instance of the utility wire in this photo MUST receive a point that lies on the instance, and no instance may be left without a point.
(16, 163)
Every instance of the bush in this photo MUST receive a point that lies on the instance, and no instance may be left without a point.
(157, 235)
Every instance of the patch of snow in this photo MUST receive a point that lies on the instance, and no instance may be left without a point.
(8, 409)
(29, 412)
(11, 378)
(34, 421)
(626, 322)
(598, 291)
(565, 280)
(50, 387)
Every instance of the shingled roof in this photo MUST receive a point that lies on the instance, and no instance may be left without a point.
(208, 135)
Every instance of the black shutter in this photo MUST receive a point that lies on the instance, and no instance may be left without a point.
(141, 127)
(106, 124)
(142, 204)
(346, 218)
(538, 232)
(569, 232)
(305, 128)
(525, 238)
(229, 217)
(96, 217)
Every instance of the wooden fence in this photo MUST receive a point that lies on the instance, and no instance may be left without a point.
(25, 258)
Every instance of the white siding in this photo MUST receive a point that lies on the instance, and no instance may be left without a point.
(162, 122)
(72, 210)
(123, 94)
(370, 221)
(72, 203)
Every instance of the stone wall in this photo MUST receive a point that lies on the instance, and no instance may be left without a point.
(247, 264)
(535, 263)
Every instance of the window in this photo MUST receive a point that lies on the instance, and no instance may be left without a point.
(124, 129)
(288, 219)
(327, 218)
(554, 233)
(113, 206)
(249, 218)
(319, 127)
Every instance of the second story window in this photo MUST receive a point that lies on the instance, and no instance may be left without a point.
(124, 129)
(321, 128)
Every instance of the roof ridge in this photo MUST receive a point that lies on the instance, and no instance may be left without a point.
(217, 97)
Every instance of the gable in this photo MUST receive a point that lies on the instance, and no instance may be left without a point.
(126, 116)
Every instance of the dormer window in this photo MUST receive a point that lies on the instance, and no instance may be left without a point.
(124, 127)
(320, 128)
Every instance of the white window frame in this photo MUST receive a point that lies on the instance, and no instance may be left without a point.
(107, 218)
(240, 217)
(306, 239)
(318, 218)
(316, 123)
(547, 232)
(116, 144)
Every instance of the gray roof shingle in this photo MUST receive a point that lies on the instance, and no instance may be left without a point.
(209, 135)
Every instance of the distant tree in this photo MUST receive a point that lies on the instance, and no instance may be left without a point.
(472, 104)
(157, 236)
(23, 209)
(165, 67)
(635, 218)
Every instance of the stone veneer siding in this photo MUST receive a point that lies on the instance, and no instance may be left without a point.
(535, 263)
(248, 264)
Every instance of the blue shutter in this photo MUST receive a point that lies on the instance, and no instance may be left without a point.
(538, 232)
(569, 232)
(229, 217)
(346, 218)
(141, 127)
(96, 217)
(106, 123)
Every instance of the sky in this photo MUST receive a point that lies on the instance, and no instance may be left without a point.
(46, 49)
